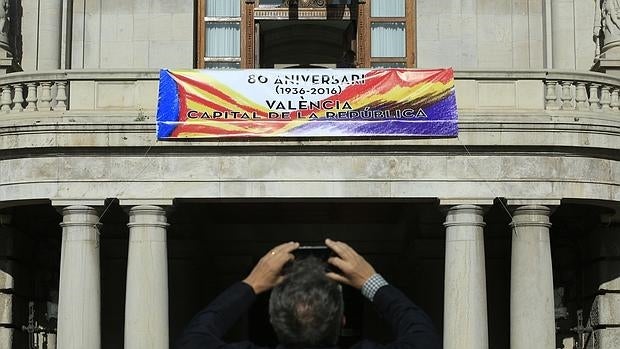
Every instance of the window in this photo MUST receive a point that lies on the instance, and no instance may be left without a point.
(221, 41)
(231, 33)
(389, 33)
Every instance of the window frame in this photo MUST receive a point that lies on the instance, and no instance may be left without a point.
(363, 17)
(364, 31)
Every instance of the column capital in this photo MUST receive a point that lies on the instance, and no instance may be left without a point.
(465, 215)
(79, 216)
(147, 216)
(531, 215)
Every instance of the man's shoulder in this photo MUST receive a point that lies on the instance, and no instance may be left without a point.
(366, 344)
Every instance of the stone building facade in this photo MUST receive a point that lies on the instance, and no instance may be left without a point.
(508, 235)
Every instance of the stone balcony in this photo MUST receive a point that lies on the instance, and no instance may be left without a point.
(541, 136)
(554, 104)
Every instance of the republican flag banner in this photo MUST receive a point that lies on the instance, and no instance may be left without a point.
(306, 103)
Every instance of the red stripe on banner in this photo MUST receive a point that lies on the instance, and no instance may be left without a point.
(215, 92)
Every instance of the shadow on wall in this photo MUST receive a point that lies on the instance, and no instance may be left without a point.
(15, 33)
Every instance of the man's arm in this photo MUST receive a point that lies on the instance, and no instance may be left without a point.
(412, 327)
(207, 328)
(410, 324)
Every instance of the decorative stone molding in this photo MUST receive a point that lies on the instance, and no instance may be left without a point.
(304, 3)
(606, 31)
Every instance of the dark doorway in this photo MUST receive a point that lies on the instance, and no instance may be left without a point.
(309, 43)
(212, 245)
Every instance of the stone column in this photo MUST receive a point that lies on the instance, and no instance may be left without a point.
(532, 322)
(465, 300)
(79, 305)
(146, 303)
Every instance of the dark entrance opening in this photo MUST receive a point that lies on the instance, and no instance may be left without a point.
(212, 245)
(306, 43)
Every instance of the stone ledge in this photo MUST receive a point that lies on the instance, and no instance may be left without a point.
(6, 309)
(6, 337)
(608, 338)
(606, 310)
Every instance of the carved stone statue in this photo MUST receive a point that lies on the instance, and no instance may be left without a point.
(4, 23)
(606, 25)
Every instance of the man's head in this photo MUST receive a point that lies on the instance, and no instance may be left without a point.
(306, 309)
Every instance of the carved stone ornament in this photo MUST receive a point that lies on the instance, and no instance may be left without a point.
(4, 23)
(304, 3)
(606, 32)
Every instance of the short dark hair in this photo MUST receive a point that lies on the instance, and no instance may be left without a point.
(306, 308)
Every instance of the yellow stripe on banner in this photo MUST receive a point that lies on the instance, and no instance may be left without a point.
(224, 89)
(402, 94)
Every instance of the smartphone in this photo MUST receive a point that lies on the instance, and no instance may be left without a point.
(320, 252)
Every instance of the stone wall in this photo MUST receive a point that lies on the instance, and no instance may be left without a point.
(133, 34)
(491, 34)
(107, 34)
(507, 34)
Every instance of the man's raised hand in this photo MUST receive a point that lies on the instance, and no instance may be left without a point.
(268, 271)
(355, 269)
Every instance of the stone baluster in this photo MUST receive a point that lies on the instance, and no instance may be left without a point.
(46, 96)
(605, 98)
(551, 96)
(5, 99)
(581, 96)
(18, 99)
(615, 99)
(61, 95)
(32, 96)
(567, 96)
(594, 100)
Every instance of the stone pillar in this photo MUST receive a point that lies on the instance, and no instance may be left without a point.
(563, 34)
(532, 322)
(465, 300)
(79, 305)
(146, 303)
(49, 35)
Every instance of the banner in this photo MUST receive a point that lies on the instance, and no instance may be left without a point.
(306, 103)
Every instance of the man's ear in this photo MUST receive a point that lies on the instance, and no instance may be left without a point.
(344, 320)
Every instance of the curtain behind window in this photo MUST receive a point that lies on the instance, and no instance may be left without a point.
(388, 40)
(223, 8)
(223, 40)
(388, 8)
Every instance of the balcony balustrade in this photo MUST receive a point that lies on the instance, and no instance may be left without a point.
(108, 91)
